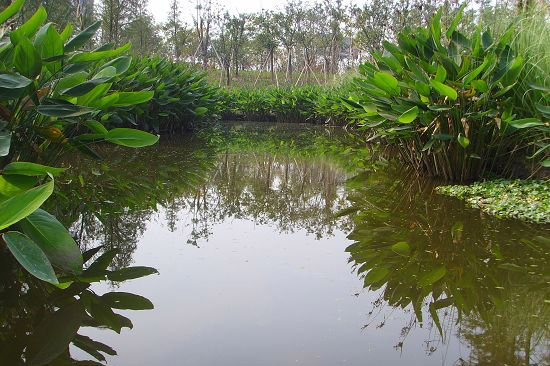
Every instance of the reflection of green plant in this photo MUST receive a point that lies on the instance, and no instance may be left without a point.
(457, 106)
(526, 200)
(50, 91)
(425, 251)
(39, 323)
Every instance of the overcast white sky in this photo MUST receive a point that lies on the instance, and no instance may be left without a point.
(159, 8)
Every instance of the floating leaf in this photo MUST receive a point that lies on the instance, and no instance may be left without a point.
(130, 137)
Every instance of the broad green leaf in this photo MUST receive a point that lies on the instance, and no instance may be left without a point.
(480, 85)
(101, 55)
(81, 38)
(26, 59)
(409, 115)
(513, 72)
(131, 98)
(31, 169)
(386, 82)
(5, 142)
(30, 256)
(455, 22)
(29, 28)
(539, 87)
(435, 27)
(478, 70)
(63, 110)
(11, 10)
(428, 279)
(52, 237)
(92, 98)
(402, 248)
(201, 111)
(13, 81)
(102, 77)
(53, 335)
(444, 90)
(463, 140)
(71, 80)
(130, 273)
(441, 74)
(21, 205)
(96, 127)
(13, 184)
(121, 64)
(49, 44)
(67, 31)
(544, 109)
(130, 137)
(376, 275)
(126, 301)
(526, 123)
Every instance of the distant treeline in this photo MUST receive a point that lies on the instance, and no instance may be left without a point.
(307, 42)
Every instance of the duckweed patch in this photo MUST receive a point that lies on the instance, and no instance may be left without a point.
(520, 199)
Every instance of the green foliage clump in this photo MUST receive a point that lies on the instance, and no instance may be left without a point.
(310, 104)
(455, 105)
(182, 96)
(520, 199)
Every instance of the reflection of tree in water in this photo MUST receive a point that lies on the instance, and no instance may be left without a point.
(445, 263)
(289, 193)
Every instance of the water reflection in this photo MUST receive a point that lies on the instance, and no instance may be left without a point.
(468, 277)
(484, 278)
(39, 322)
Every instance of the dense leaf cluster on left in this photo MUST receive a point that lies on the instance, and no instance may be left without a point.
(53, 96)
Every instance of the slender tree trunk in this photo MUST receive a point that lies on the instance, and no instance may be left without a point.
(271, 64)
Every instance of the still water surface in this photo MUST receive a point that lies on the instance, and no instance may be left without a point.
(295, 245)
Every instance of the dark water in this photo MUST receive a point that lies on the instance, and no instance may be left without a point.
(295, 245)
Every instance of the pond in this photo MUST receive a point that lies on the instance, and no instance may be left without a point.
(296, 244)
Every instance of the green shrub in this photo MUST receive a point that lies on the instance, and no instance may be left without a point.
(456, 106)
(53, 97)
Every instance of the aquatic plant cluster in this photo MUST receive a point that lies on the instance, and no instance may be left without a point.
(528, 200)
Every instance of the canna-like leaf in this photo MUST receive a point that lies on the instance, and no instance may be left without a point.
(81, 38)
(11, 10)
(30, 256)
(21, 205)
(444, 90)
(409, 116)
(130, 137)
(31, 169)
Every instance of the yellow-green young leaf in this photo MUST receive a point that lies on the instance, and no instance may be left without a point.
(67, 31)
(100, 55)
(26, 59)
(96, 127)
(444, 90)
(480, 85)
(130, 137)
(31, 169)
(409, 115)
(56, 242)
(13, 184)
(105, 102)
(441, 73)
(11, 10)
(89, 98)
(386, 82)
(436, 28)
(474, 73)
(201, 111)
(16, 208)
(402, 248)
(463, 140)
(526, 123)
(30, 256)
(29, 28)
(455, 22)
